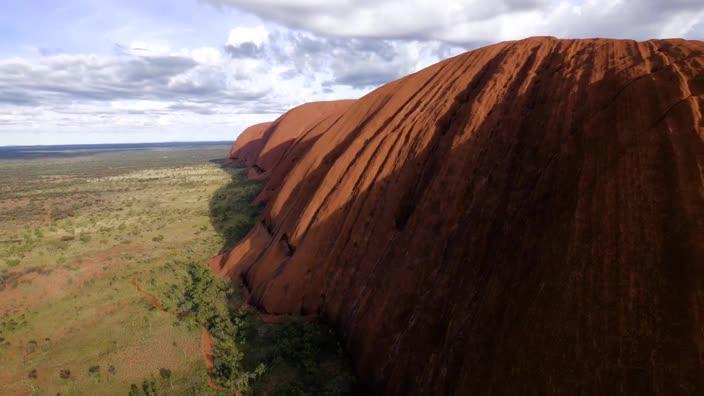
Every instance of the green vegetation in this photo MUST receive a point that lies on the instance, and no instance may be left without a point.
(205, 300)
(103, 287)
(294, 358)
(134, 390)
(304, 357)
(231, 210)
(75, 233)
(12, 262)
(165, 374)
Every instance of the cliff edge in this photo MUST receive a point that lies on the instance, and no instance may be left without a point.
(525, 218)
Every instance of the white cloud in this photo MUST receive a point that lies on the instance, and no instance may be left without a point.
(212, 71)
(240, 35)
(480, 21)
(154, 86)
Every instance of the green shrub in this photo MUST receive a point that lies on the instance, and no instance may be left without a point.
(149, 388)
(305, 345)
(205, 299)
(12, 262)
(94, 371)
(302, 357)
(231, 211)
(134, 390)
(165, 374)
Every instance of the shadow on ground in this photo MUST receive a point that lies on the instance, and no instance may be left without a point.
(232, 213)
(298, 356)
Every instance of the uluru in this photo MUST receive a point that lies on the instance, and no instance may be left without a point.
(352, 197)
(524, 218)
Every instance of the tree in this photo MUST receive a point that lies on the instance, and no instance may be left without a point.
(134, 390)
(149, 388)
(94, 371)
(166, 374)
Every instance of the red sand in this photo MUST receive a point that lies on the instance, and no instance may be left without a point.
(524, 218)
(206, 342)
(207, 348)
(151, 299)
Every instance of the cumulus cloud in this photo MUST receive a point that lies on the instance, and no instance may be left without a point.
(256, 35)
(135, 90)
(258, 58)
(358, 63)
(260, 71)
(476, 21)
(60, 78)
(244, 50)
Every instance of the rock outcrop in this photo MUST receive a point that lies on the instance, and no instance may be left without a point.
(525, 218)
(263, 147)
(249, 144)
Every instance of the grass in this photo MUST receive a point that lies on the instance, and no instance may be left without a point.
(74, 234)
(103, 288)
(297, 357)
(198, 299)
(231, 210)
(302, 357)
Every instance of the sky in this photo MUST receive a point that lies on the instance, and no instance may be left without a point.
(111, 71)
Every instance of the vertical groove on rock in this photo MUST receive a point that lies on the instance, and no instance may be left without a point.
(527, 217)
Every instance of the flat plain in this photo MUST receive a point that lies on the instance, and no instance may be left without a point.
(105, 288)
(83, 237)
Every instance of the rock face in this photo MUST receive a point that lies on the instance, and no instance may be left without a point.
(526, 218)
(249, 144)
(262, 147)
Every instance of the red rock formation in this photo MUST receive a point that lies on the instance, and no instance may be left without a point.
(263, 146)
(526, 218)
(249, 143)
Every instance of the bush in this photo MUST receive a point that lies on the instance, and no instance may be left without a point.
(165, 373)
(158, 238)
(12, 262)
(308, 355)
(134, 390)
(204, 298)
(31, 346)
(149, 388)
(94, 371)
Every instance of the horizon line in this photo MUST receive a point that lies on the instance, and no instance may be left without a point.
(2, 146)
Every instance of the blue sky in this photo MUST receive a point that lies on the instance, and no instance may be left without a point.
(94, 26)
(156, 70)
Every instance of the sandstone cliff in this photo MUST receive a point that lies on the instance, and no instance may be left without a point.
(263, 147)
(526, 218)
(249, 144)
